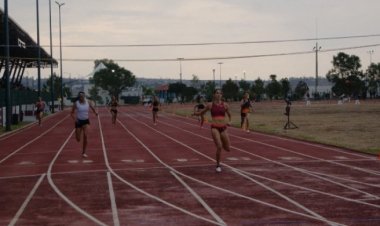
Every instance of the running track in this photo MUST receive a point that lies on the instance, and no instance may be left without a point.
(141, 174)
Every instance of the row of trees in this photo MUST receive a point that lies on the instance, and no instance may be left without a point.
(346, 75)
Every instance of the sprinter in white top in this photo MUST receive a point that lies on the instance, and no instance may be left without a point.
(79, 113)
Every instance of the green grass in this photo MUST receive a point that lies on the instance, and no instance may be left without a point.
(350, 126)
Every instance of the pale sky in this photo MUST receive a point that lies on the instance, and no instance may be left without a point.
(145, 22)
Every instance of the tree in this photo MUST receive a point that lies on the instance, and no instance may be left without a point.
(189, 93)
(285, 87)
(230, 89)
(373, 79)
(345, 75)
(113, 78)
(244, 85)
(195, 82)
(94, 94)
(57, 87)
(273, 89)
(177, 88)
(258, 89)
(209, 90)
(301, 89)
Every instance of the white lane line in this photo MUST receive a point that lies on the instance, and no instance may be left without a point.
(276, 162)
(55, 188)
(297, 169)
(339, 150)
(286, 198)
(116, 221)
(213, 186)
(137, 188)
(27, 200)
(199, 199)
(22, 147)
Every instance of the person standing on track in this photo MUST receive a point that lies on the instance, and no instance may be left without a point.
(155, 109)
(79, 113)
(246, 106)
(199, 107)
(218, 109)
(40, 107)
(113, 104)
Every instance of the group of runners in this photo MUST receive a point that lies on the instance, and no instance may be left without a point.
(218, 108)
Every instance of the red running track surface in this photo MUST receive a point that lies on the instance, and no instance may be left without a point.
(138, 173)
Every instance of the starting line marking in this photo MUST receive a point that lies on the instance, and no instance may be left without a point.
(132, 160)
(26, 163)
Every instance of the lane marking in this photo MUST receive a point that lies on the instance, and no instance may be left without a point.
(60, 194)
(115, 215)
(315, 174)
(27, 200)
(295, 168)
(36, 138)
(213, 186)
(199, 199)
(137, 188)
(26, 163)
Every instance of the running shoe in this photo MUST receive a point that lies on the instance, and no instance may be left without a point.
(84, 155)
(218, 169)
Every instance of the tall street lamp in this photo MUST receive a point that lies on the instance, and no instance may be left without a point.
(51, 63)
(60, 51)
(213, 75)
(180, 69)
(220, 74)
(370, 52)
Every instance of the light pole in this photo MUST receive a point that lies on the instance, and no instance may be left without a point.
(38, 50)
(220, 74)
(60, 51)
(51, 63)
(316, 48)
(213, 75)
(370, 52)
(180, 69)
(6, 72)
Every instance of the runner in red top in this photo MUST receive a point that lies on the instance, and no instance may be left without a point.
(218, 110)
(40, 107)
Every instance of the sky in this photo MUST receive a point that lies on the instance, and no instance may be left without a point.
(129, 23)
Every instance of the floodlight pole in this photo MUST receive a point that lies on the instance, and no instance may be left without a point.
(60, 51)
(51, 63)
(316, 48)
(220, 74)
(180, 69)
(38, 51)
(7, 83)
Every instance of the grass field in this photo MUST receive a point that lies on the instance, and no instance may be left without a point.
(356, 127)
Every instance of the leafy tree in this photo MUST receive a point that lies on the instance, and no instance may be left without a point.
(209, 90)
(177, 88)
(230, 90)
(345, 75)
(56, 87)
(189, 93)
(285, 87)
(148, 91)
(94, 95)
(301, 89)
(195, 82)
(373, 79)
(113, 78)
(273, 89)
(244, 85)
(258, 89)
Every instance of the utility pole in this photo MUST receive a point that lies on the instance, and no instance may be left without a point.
(220, 74)
(180, 69)
(316, 48)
